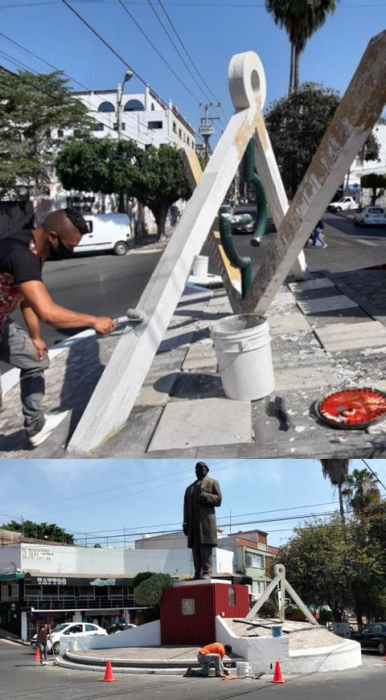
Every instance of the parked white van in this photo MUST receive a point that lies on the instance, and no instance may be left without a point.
(106, 232)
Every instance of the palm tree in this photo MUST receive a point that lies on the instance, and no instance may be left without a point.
(361, 491)
(337, 471)
(301, 19)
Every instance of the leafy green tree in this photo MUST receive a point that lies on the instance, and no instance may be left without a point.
(301, 19)
(296, 126)
(32, 108)
(159, 181)
(361, 492)
(149, 592)
(39, 531)
(139, 578)
(155, 176)
(336, 470)
(376, 183)
(338, 564)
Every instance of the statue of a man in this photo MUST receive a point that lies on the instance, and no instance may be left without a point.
(201, 498)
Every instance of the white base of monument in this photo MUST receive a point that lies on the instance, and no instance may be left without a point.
(262, 652)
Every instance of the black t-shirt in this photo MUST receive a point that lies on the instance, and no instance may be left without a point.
(19, 262)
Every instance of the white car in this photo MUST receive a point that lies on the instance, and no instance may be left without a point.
(73, 629)
(371, 216)
(344, 204)
(106, 232)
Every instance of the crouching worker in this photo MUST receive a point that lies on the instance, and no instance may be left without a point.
(211, 654)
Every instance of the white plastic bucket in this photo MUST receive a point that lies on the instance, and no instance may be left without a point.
(200, 266)
(243, 348)
(242, 668)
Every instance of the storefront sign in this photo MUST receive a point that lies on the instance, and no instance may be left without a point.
(103, 582)
(37, 553)
(51, 581)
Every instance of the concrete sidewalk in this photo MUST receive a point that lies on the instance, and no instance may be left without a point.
(327, 333)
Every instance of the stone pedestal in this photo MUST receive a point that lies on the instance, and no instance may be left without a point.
(189, 610)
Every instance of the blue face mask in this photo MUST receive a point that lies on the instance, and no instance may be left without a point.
(60, 252)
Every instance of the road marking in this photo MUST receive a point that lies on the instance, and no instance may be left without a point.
(368, 243)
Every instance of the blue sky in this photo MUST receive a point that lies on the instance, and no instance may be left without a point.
(213, 30)
(103, 496)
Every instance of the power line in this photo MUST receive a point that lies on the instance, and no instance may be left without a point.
(106, 43)
(220, 5)
(239, 515)
(131, 127)
(162, 4)
(137, 24)
(175, 47)
(374, 474)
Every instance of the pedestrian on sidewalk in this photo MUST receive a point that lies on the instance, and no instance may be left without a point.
(22, 256)
(43, 635)
(211, 654)
(317, 235)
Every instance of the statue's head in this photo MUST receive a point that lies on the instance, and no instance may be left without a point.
(201, 470)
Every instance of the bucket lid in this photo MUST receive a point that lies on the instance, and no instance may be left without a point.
(352, 408)
(238, 323)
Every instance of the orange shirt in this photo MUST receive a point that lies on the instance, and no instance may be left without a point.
(214, 649)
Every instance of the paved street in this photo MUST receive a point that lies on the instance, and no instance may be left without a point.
(22, 678)
(349, 247)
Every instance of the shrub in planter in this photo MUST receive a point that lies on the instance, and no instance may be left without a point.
(149, 592)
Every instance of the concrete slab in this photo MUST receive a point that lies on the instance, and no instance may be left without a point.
(292, 323)
(351, 336)
(187, 424)
(310, 377)
(310, 285)
(200, 356)
(333, 303)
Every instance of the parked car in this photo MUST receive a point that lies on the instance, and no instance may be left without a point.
(124, 626)
(73, 629)
(371, 216)
(344, 204)
(106, 232)
(225, 210)
(373, 637)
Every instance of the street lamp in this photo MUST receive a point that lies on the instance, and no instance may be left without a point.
(128, 75)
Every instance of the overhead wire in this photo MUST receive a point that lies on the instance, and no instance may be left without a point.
(220, 5)
(137, 24)
(131, 127)
(120, 58)
(167, 15)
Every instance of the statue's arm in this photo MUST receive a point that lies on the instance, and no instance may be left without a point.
(214, 498)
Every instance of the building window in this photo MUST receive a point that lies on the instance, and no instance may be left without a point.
(98, 126)
(60, 133)
(106, 107)
(192, 143)
(155, 125)
(78, 133)
(134, 106)
(152, 107)
(188, 141)
(123, 126)
(255, 561)
(180, 133)
(175, 127)
(231, 596)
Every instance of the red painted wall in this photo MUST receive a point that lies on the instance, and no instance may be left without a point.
(210, 600)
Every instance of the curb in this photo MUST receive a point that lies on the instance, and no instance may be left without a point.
(60, 661)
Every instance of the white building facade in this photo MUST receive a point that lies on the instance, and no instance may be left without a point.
(56, 583)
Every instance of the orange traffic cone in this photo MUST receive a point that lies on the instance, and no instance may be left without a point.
(37, 654)
(277, 677)
(108, 673)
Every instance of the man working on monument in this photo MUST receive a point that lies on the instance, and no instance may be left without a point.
(211, 654)
(22, 256)
(199, 526)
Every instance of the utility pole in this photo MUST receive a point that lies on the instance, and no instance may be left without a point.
(206, 129)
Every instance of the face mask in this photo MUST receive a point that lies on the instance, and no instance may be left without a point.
(60, 252)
